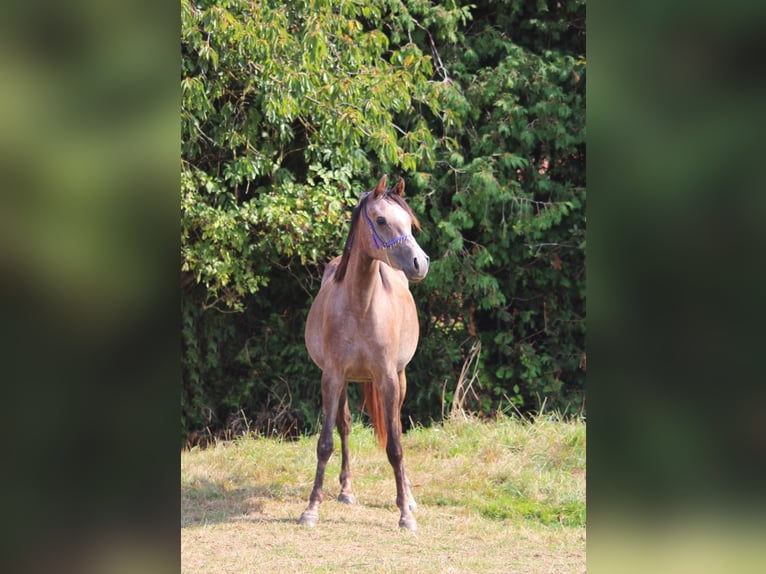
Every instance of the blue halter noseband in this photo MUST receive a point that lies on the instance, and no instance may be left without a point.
(378, 240)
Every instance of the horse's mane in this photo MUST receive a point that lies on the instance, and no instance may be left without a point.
(340, 272)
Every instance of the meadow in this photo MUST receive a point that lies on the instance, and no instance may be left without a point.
(500, 496)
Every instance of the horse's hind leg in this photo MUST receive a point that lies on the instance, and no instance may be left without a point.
(331, 389)
(344, 427)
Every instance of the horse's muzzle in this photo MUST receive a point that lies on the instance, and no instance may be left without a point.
(417, 271)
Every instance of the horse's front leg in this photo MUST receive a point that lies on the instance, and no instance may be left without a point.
(391, 393)
(332, 385)
(344, 427)
(407, 485)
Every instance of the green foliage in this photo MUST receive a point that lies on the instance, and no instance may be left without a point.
(510, 213)
(290, 110)
(283, 105)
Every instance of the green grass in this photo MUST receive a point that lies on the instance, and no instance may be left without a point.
(510, 469)
(514, 486)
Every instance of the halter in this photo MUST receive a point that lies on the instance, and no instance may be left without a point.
(378, 240)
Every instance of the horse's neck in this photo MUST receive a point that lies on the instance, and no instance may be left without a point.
(363, 279)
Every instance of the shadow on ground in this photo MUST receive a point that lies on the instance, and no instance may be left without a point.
(209, 502)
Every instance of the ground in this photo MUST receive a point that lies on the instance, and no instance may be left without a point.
(506, 497)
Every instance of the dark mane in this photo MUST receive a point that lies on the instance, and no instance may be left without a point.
(340, 272)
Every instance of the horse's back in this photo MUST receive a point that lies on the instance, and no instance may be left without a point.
(329, 271)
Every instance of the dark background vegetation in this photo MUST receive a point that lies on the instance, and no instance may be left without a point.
(290, 111)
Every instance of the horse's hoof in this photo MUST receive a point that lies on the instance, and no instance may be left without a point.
(409, 523)
(347, 498)
(308, 519)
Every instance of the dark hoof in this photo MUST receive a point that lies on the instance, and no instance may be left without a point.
(347, 498)
(409, 523)
(308, 519)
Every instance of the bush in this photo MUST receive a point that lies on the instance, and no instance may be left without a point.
(291, 111)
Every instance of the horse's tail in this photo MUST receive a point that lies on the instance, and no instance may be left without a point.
(374, 407)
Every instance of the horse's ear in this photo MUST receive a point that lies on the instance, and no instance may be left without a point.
(381, 187)
(399, 189)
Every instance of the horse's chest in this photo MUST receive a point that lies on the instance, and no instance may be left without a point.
(366, 346)
(382, 337)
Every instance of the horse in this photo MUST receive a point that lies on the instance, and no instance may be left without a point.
(363, 327)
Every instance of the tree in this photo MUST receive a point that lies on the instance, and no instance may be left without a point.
(289, 111)
(284, 106)
(509, 278)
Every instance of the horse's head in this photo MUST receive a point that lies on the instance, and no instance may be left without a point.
(390, 221)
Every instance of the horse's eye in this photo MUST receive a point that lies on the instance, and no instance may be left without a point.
(380, 220)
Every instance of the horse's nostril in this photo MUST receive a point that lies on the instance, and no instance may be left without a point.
(417, 265)
(428, 259)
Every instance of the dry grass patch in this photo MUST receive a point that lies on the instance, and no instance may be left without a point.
(507, 496)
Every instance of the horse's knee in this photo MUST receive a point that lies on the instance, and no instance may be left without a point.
(394, 451)
(324, 449)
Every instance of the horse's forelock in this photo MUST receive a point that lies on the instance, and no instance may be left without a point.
(391, 194)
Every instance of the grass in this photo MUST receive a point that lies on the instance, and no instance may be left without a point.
(506, 496)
